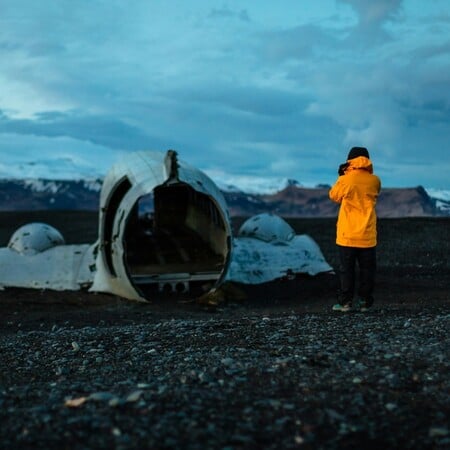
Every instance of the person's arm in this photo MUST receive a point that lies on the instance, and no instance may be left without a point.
(337, 191)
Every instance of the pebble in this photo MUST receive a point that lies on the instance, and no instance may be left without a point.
(75, 346)
(101, 396)
(134, 396)
(438, 432)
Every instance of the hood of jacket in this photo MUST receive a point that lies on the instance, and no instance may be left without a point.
(360, 163)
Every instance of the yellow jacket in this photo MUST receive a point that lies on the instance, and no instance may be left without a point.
(357, 191)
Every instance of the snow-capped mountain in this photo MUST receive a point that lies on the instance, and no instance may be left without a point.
(53, 186)
(37, 194)
(26, 185)
(64, 167)
(284, 197)
(442, 199)
(253, 185)
(32, 177)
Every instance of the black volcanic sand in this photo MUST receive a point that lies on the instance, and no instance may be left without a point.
(277, 370)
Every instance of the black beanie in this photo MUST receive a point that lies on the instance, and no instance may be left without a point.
(357, 151)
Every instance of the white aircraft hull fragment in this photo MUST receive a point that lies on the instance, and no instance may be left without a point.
(64, 267)
(255, 261)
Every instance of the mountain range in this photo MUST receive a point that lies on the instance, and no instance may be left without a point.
(290, 199)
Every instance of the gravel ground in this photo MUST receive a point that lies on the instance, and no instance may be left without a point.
(277, 370)
(314, 380)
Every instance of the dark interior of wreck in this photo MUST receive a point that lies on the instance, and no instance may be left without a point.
(176, 241)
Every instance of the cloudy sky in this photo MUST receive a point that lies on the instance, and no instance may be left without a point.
(239, 88)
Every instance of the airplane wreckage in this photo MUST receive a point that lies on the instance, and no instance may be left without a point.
(164, 228)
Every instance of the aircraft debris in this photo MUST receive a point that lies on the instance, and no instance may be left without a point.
(164, 229)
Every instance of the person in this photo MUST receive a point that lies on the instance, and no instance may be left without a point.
(356, 190)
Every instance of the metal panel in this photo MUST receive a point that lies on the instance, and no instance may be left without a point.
(65, 267)
(255, 261)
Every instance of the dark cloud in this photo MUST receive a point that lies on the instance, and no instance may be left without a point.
(10, 46)
(372, 18)
(431, 51)
(103, 130)
(373, 14)
(297, 43)
(226, 13)
(245, 98)
(44, 48)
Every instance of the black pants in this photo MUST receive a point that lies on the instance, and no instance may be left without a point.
(367, 263)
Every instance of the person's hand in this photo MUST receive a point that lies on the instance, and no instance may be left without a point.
(342, 168)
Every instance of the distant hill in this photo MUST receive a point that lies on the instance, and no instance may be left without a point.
(37, 194)
(292, 201)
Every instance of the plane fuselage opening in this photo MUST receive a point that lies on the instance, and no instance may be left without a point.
(175, 240)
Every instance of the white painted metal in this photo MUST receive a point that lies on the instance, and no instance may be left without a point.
(35, 238)
(64, 267)
(256, 262)
(268, 228)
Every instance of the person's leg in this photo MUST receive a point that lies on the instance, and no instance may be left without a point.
(347, 257)
(367, 263)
